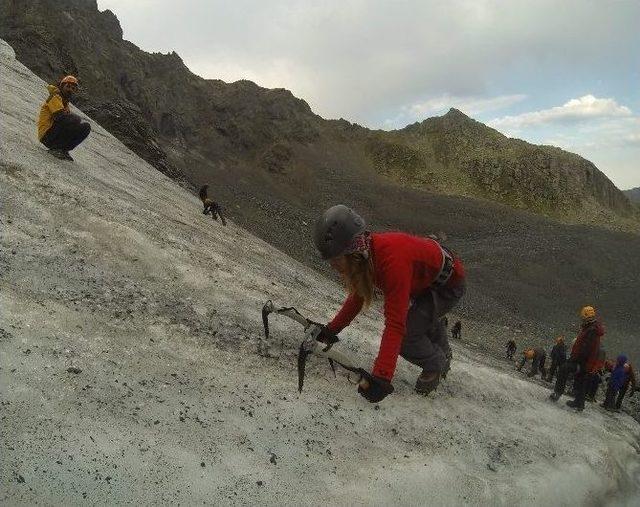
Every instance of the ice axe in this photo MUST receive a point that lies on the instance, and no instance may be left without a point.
(311, 344)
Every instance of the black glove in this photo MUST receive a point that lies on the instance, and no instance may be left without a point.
(325, 335)
(378, 390)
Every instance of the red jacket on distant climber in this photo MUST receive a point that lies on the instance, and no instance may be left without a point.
(404, 267)
(587, 345)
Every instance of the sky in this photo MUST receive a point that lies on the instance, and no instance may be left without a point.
(565, 73)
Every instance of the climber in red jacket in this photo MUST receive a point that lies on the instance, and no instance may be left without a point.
(583, 361)
(421, 281)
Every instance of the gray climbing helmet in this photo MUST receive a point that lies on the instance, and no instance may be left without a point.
(335, 230)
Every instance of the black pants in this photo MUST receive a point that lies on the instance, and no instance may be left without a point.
(67, 132)
(538, 365)
(593, 385)
(610, 397)
(579, 381)
(555, 365)
(621, 395)
(425, 343)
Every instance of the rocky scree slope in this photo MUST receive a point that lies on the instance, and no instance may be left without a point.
(128, 338)
(198, 130)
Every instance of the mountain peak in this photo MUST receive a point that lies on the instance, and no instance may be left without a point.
(455, 112)
(457, 115)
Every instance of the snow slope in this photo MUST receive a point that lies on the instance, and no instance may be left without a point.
(109, 267)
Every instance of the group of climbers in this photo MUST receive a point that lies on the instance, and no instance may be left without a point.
(420, 279)
(586, 364)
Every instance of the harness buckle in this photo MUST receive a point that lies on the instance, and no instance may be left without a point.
(446, 270)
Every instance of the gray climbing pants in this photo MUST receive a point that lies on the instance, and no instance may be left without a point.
(425, 343)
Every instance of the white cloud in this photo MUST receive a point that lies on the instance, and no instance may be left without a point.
(583, 108)
(633, 138)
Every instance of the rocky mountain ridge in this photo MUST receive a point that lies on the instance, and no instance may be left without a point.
(633, 194)
(195, 129)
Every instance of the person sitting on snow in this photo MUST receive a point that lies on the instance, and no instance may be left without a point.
(58, 128)
(538, 357)
(421, 281)
(558, 357)
(582, 360)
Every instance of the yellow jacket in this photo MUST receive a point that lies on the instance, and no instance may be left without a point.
(54, 104)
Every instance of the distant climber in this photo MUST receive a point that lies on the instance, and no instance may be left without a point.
(510, 349)
(59, 129)
(456, 330)
(582, 360)
(629, 381)
(622, 377)
(616, 381)
(210, 206)
(538, 358)
(558, 357)
(421, 281)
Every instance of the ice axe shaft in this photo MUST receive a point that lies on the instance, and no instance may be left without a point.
(310, 345)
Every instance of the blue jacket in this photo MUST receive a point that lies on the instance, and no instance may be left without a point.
(618, 375)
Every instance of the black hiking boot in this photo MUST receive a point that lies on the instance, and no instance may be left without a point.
(427, 382)
(58, 153)
(574, 404)
(554, 396)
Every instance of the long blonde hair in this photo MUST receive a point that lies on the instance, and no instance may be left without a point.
(359, 277)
